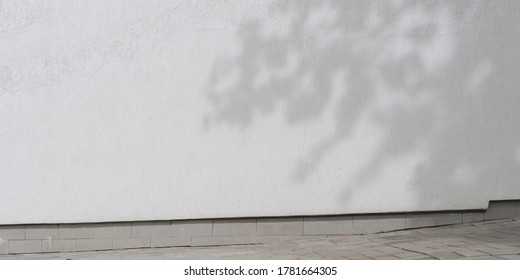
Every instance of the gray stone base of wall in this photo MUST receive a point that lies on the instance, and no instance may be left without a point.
(18, 239)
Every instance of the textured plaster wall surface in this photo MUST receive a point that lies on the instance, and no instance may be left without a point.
(150, 110)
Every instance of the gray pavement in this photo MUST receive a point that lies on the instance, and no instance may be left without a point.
(490, 240)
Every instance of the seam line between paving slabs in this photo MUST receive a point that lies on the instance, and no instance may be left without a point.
(407, 250)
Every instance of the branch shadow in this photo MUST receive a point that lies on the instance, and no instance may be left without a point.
(439, 78)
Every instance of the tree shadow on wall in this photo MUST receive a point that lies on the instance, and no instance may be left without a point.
(440, 78)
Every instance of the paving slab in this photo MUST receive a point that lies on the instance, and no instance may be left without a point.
(488, 240)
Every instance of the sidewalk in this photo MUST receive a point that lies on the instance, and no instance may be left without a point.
(490, 240)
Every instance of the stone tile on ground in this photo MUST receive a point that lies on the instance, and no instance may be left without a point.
(410, 255)
(354, 256)
(387, 258)
(390, 250)
(513, 251)
(337, 253)
(373, 254)
(299, 238)
(475, 241)
(427, 244)
(503, 246)
(353, 248)
(350, 244)
(469, 253)
(317, 243)
(483, 258)
(445, 255)
(483, 249)
(510, 257)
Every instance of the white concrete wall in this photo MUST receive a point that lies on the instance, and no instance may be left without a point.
(148, 110)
